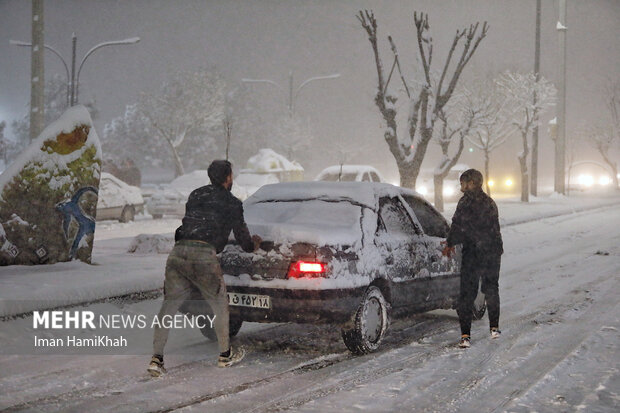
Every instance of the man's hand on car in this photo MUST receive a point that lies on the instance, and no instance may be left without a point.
(447, 251)
(256, 240)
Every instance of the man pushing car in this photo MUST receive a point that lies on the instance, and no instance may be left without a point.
(476, 225)
(211, 212)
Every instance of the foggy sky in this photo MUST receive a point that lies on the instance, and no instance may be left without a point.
(269, 38)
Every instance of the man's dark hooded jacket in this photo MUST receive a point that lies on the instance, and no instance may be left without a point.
(211, 213)
(475, 224)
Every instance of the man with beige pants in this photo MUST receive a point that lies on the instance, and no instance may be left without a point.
(211, 213)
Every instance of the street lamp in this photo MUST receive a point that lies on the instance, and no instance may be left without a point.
(72, 80)
(131, 40)
(291, 96)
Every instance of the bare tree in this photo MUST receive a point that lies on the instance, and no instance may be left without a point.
(227, 124)
(518, 89)
(496, 121)
(604, 140)
(464, 117)
(188, 107)
(426, 101)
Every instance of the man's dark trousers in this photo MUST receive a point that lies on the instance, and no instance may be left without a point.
(473, 271)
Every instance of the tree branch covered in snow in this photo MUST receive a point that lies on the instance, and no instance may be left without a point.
(426, 101)
(180, 122)
(519, 90)
(496, 120)
(605, 141)
(189, 106)
(458, 120)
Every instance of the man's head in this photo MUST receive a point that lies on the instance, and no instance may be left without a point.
(220, 173)
(471, 180)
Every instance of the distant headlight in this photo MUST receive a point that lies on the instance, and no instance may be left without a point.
(585, 180)
(491, 183)
(448, 191)
(508, 182)
(422, 190)
(604, 180)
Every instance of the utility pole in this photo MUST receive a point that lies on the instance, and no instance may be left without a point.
(37, 79)
(560, 142)
(534, 176)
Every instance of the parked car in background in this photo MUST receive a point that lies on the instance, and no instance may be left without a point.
(339, 253)
(350, 173)
(118, 200)
(171, 198)
(268, 167)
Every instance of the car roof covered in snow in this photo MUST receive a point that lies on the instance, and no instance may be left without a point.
(363, 193)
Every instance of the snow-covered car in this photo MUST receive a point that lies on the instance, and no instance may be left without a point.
(340, 253)
(171, 199)
(118, 200)
(451, 184)
(349, 173)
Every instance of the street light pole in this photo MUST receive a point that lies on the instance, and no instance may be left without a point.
(292, 95)
(72, 84)
(131, 40)
(72, 78)
(560, 145)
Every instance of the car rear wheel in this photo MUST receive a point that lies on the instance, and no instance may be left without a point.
(127, 214)
(480, 306)
(370, 323)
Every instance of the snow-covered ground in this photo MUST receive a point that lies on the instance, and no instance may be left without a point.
(558, 352)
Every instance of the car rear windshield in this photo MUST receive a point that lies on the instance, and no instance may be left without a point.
(333, 215)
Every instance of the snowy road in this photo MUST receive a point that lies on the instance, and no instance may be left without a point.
(559, 350)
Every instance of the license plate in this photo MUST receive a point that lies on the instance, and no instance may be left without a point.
(249, 300)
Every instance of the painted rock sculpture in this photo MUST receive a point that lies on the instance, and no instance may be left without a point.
(48, 195)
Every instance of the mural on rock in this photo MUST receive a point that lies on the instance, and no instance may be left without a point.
(48, 195)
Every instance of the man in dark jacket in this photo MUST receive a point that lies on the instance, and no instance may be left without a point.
(475, 225)
(211, 213)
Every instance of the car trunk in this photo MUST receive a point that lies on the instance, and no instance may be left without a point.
(270, 261)
(273, 260)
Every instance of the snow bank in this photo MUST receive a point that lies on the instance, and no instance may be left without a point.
(152, 244)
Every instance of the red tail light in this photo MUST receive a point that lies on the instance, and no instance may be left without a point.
(301, 269)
